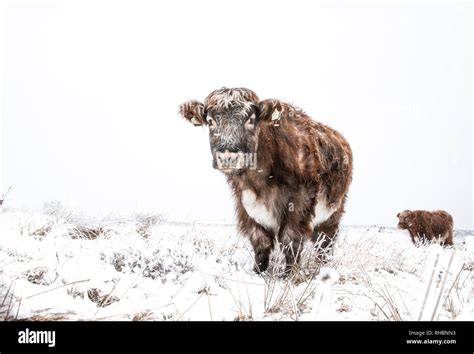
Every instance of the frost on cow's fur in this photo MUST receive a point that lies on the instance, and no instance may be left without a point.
(57, 266)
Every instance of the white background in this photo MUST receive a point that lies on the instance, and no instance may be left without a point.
(91, 91)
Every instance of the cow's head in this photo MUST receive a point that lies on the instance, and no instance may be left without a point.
(404, 219)
(232, 116)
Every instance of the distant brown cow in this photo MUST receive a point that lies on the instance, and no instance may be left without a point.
(434, 225)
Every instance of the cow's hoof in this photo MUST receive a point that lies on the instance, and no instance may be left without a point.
(262, 259)
(260, 267)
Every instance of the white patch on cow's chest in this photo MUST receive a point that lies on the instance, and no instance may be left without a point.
(257, 210)
(322, 211)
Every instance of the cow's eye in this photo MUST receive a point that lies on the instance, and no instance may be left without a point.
(211, 121)
(250, 123)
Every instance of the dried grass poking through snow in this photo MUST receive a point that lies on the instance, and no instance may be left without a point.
(56, 266)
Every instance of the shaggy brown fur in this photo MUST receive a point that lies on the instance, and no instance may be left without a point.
(299, 188)
(435, 225)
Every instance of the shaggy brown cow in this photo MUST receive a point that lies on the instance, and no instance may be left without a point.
(289, 174)
(434, 225)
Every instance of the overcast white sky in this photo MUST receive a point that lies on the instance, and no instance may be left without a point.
(91, 91)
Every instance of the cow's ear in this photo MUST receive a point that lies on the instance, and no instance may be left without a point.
(194, 112)
(273, 110)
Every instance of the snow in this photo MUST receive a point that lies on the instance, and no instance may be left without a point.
(55, 265)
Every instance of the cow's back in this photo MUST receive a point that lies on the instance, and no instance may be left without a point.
(333, 158)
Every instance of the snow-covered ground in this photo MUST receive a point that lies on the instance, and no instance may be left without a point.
(54, 265)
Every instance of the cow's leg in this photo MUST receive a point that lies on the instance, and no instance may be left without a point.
(413, 235)
(292, 236)
(262, 242)
(325, 234)
(448, 239)
(260, 238)
(296, 226)
(292, 244)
